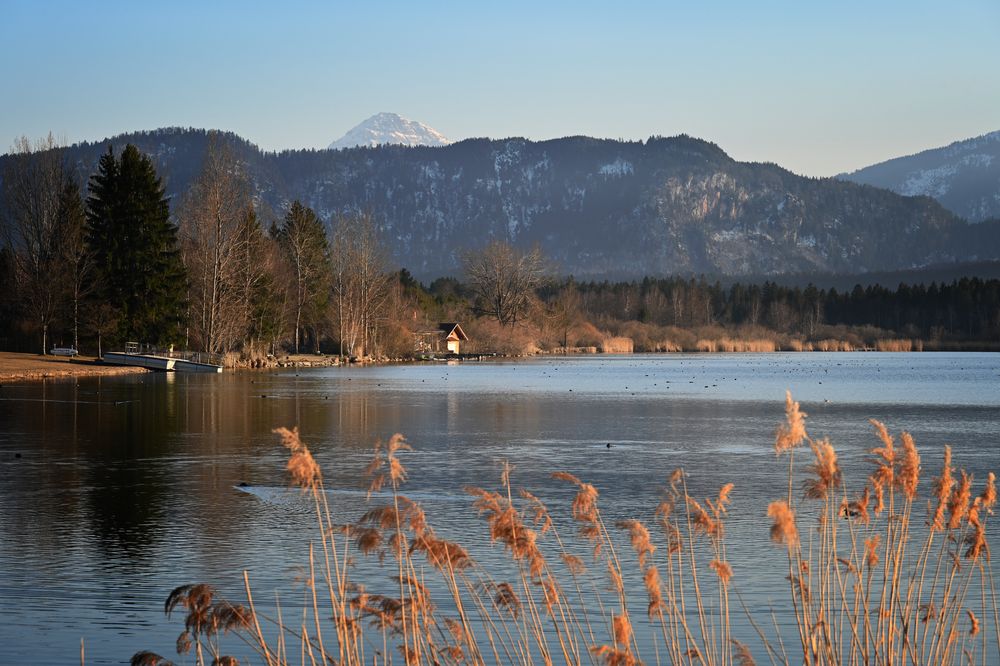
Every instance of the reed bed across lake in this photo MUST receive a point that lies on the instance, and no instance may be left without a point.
(877, 573)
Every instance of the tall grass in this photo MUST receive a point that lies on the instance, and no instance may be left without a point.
(870, 579)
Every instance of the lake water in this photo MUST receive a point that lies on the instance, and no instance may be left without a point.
(115, 490)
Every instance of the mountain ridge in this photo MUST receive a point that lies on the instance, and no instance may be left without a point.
(600, 208)
(963, 176)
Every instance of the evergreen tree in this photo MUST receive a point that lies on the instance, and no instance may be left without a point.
(302, 239)
(135, 247)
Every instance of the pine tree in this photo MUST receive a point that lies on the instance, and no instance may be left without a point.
(302, 239)
(135, 247)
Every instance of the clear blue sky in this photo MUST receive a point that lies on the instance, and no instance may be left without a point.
(818, 87)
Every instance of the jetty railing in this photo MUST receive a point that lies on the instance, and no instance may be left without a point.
(193, 356)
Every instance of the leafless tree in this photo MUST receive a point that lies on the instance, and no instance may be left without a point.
(361, 282)
(564, 311)
(255, 279)
(32, 182)
(216, 240)
(504, 279)
(77, 258)
(103, 319)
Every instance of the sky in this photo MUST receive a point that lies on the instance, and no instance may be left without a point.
(817, 87)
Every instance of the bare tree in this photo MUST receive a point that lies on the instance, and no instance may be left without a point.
(255, 271)
(361, 282)
(504, 280)
(103, 319)
(77, 258)
(32, 182)
(215, 241)
(564, 311)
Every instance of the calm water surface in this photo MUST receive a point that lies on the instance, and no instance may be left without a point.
(115, 490)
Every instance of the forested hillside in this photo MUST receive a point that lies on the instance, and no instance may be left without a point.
(597, 208)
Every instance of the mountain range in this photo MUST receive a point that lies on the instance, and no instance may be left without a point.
(598, 208)
(964, 176)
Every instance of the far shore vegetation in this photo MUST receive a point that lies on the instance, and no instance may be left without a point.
(91, 261)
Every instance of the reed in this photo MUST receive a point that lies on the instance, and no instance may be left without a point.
(616, 345)
(868, 582)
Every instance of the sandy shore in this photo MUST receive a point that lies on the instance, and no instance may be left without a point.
(23, 367)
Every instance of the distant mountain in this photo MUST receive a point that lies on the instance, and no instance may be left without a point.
(598, 208)
(964, 176)
(390, 129)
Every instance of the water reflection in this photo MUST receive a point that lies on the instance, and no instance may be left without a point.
(125, 486)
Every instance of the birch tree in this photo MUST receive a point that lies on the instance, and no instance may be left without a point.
(217, 239)
(32, 182)
(77, 259)
(361, 283)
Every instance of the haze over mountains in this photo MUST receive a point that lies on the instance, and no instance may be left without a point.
(598, 208)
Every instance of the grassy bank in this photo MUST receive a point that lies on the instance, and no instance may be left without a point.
(877, 572)
(26, 367)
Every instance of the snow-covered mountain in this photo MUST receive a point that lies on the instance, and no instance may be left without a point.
(964, 176)
(390, 128)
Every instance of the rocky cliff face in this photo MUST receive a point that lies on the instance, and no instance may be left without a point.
(598, 208)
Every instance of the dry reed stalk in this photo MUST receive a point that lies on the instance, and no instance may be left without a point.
(861, 601)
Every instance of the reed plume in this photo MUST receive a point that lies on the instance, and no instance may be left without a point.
(973, 623)
(722, 570)
(783, 529)
(958, 503)
(942, 491)
(909, 470)
(793, 432)
(885, 458)
(654, 590)
(743, 655)
(301, 465)
(825, 468)
(642, 544)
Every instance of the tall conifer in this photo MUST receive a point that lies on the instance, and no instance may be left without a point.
(136, 251)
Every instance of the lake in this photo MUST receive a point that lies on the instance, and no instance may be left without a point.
(113, 491)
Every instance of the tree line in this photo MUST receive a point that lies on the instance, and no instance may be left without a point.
(965, 309)
(114, 262)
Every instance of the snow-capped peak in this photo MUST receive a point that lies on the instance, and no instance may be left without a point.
(390, 128)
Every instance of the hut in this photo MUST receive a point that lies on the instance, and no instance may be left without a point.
(447, 338)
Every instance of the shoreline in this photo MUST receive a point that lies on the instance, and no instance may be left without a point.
(20, 367)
